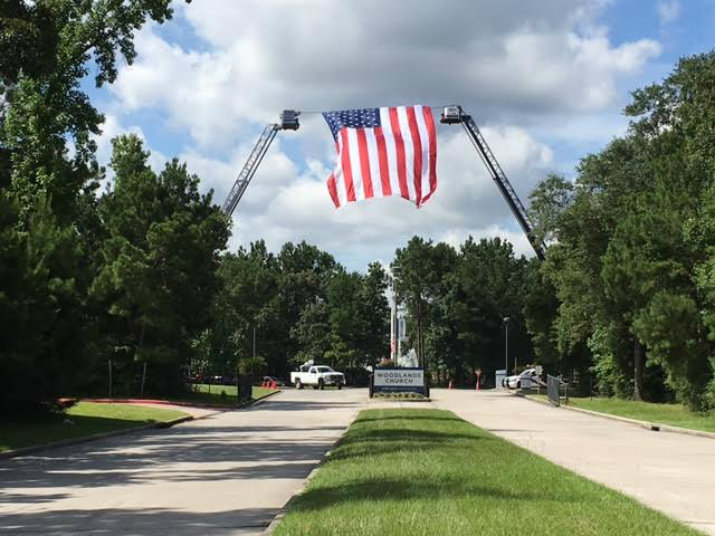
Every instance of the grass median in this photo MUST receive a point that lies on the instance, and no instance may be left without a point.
(671, 414)
(82, 419)
(424, 471)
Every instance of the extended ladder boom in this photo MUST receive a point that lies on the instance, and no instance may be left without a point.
(455, 114)
(289, 121)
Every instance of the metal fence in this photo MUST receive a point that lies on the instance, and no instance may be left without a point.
(553, 387)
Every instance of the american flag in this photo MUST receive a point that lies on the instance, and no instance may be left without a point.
(383, 152)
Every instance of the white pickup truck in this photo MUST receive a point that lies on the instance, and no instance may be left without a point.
(318, 376)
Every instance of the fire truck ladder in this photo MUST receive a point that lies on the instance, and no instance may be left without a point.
(288, 121)
(454, 114)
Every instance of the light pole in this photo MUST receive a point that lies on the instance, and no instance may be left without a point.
(394, 318)
(506, 345)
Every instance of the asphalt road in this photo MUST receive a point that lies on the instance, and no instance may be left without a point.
(671, 472)
(228, 474)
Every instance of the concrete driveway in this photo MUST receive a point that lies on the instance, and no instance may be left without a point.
(673, 473)
(228, 474)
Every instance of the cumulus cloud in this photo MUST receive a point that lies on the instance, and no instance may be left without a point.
(513, 64)
(514, 57)
(280, 206)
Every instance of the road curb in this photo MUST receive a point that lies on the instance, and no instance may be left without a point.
(261, 400)
(270, 529)
(24, 451)
(653, 426)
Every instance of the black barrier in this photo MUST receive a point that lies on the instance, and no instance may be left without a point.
(245, 387)
(553, 386)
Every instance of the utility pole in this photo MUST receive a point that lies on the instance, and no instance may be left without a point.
(506, 345)
(254, 341)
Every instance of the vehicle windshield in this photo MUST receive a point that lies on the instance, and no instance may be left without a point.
(324, 369)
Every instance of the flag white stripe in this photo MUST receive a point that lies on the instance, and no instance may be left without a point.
(374, 163)
(391, 151)
(354, 149)
(424, 138)
(339, 179)
(409, 150)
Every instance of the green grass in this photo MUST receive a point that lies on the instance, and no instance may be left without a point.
(672, 414)
(220, 395)
(425, 472)
(86, 418)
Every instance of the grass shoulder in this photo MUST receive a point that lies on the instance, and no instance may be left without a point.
(81, 420)
(220, 395)
(671, 414)
(424, 471)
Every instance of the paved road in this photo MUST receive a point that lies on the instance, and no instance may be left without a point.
(673, 473)
(232, 472)
(227, 474)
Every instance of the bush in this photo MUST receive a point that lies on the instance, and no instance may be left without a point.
(252, 365)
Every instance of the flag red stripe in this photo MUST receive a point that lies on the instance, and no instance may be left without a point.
(364, 163)
(347, 169)
(400, 151)
(417, 153)
(333, 190)
(382, 158)
(432, 136)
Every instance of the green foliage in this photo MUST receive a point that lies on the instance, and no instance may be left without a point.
(609, 375)
(50, 229)
(458, 301)
(255, 365)
(633, 243)
(301, 305)
(159, 263)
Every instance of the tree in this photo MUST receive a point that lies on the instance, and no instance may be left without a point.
(46, 49)
(421, 270)
(629, 259)
(158, 274)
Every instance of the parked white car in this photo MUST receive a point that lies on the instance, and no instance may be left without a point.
(318, 376)
(514, 382)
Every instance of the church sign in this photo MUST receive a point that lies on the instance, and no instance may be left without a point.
(399, 380)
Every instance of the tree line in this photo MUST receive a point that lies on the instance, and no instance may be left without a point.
(625, 301)
(134, 275)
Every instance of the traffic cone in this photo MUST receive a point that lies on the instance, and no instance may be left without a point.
(450, 384)
(274, 385)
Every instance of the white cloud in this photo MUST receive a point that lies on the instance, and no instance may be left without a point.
(278, 206)
(264, 56)
(668, 11)
(516, 65)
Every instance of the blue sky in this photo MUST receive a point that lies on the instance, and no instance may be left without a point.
(546, 81)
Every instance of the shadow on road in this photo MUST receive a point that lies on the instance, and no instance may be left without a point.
(34, 488)
(121, 522)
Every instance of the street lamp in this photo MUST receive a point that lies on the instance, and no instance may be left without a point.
(506, 345)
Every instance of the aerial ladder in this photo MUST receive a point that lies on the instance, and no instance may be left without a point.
(288, 121)
(454, 114)
(450, 115)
